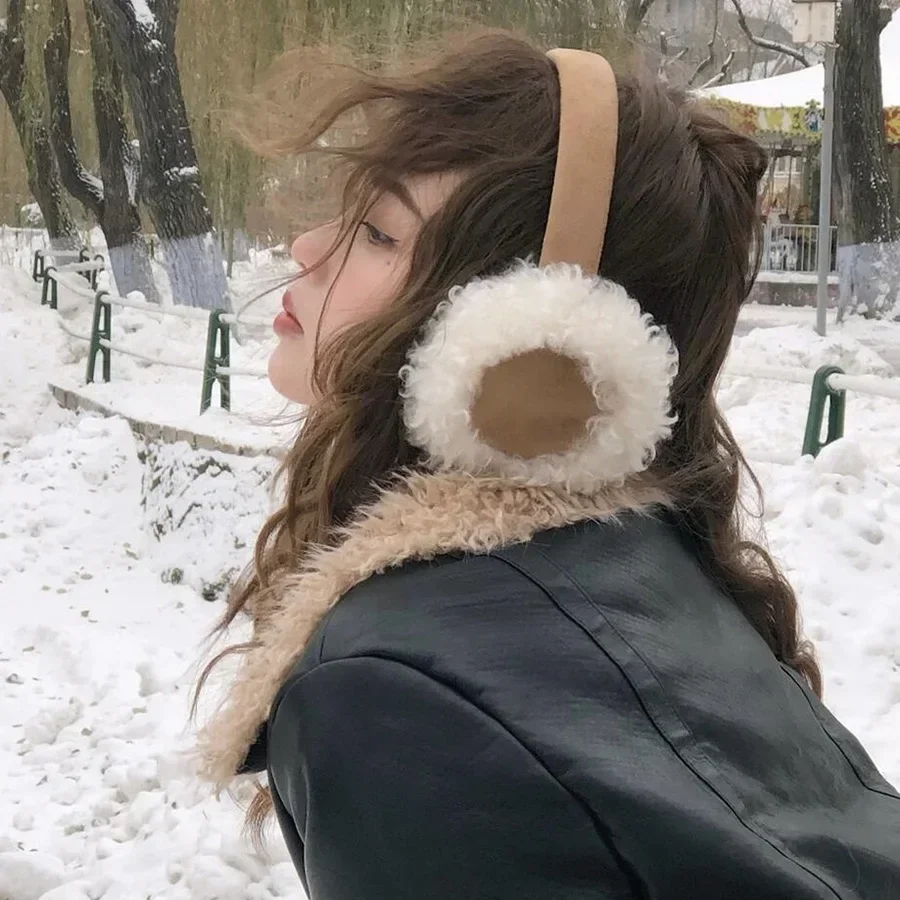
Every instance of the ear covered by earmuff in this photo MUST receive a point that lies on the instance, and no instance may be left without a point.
(542, 375)
(548, 374)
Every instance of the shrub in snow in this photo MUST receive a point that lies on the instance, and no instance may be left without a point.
(204, 510)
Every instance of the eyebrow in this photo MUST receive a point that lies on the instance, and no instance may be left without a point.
(401, 192)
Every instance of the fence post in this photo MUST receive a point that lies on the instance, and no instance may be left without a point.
(821, 394)
(101, 329)
(84, 256)
(218, 353)
(49, 289)
(95, 272)
(37, 267)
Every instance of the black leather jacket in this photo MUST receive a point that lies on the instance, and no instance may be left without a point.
(582, 716)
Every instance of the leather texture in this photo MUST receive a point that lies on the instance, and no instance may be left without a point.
(582, 716)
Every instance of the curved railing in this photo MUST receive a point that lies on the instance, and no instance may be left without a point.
(216, 364)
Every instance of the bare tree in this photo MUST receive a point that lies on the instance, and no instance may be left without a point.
(110, 198)
(143, 39)
(710, 58)
(31, 126)
(711, 41)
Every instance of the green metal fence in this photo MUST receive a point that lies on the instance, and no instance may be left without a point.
(216, 367)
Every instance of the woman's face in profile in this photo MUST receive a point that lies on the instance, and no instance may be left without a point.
(356, 282)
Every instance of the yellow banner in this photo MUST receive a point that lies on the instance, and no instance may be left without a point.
(786, 122)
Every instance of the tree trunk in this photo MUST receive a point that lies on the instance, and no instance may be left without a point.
(129, 253)
(143, 38)
(106, 198)
(43, 174)
(45, 184)
(869, 255)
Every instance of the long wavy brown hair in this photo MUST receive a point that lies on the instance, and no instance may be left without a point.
(681, 230)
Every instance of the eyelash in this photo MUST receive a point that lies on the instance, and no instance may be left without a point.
(378, 238)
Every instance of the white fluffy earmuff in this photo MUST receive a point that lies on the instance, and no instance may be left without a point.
(626, 363)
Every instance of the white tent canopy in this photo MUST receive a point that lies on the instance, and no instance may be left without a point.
(799, 88)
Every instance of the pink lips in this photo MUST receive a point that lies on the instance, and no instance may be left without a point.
(286, 322)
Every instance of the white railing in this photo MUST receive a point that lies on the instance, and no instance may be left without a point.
(794, 248)
(873, 385)
(216, 365)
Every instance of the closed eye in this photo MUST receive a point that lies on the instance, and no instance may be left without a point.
(377, 237)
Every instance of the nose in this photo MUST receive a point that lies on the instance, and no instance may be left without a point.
(312, 246)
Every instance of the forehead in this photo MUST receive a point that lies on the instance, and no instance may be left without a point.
(427, 192)
(431, 192)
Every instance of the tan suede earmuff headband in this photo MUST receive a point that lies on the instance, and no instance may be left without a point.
(586, 160)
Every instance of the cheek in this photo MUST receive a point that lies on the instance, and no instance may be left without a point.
(363, 293)
(289, 371)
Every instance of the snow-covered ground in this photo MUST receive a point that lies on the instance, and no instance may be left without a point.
(108, 544)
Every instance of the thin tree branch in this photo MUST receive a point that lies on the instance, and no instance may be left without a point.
(711, 55)
(765, 43)
(721, 75)
(83, 186)
(703, 66)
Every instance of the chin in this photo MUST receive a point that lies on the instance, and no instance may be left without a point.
(288, 375)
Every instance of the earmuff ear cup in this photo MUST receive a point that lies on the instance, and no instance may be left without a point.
(543, 375)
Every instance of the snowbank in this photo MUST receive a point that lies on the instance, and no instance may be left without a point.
(797, 346)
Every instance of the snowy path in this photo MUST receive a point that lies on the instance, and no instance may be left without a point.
(97, 654)
(878, 336)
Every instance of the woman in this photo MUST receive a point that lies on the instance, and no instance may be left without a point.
(510, 641)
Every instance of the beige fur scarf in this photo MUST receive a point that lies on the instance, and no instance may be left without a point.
(424, 516)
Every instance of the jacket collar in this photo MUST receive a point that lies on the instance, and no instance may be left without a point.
(421, 517)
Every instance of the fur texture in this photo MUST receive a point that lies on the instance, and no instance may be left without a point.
(422, 517)
(628, 363)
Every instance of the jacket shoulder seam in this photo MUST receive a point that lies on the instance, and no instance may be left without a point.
(730, 802)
